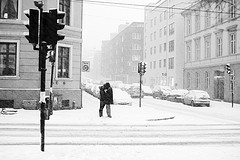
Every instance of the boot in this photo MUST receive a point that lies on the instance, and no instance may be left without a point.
(100, 114)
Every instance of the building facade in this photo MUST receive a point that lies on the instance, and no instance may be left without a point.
(212, 34)
(19, 75)
(122, 53)
(164, 44)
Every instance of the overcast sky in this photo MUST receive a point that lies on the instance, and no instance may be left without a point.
(101, 19)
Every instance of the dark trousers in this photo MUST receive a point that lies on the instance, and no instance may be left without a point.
(108, 109)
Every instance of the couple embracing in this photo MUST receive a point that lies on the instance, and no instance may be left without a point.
(106, 98)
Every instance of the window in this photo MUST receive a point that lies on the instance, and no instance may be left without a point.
(63, 62)
(171, 63)
(8, 9)
(150, 65)
(151, 37)
(197, 80)
(171, 46)
(171, 29)
(197, 21)
(136, 47)
(160, 33)
(232, 42)
(197, 49)
(154, 35)
(160, 17)
(154, 64)
(135, 58)
(165, 46)
(154, 49)
(207, 19)
(219, 17)
(189, 25)
(188, 80)
(207, 47)
(189, 51)
(64, 6)
(165, 15)
(8, 56)
(160, 48)
(160, 64)
(151, 50)
(232, 8)
(207, 80)
(165, 31)
(219, 44)
(164, 63)
(135, 36)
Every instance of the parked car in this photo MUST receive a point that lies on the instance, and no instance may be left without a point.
(134, 92)
(121, 97)
(197, 97)
(147, 91)
(161, 91)
(177, 95)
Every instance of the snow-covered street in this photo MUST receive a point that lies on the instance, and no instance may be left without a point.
(157, 130)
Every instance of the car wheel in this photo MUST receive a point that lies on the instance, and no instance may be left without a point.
(192, 103)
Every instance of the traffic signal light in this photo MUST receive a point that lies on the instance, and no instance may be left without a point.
(144, 66)
(50, 27)
(32, 26)
(139, 67)
(228, 68)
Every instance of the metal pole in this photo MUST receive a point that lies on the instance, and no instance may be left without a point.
(232, 88)
(140, 90)
(42, 68)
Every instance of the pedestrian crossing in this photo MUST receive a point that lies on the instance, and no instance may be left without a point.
(90, 134)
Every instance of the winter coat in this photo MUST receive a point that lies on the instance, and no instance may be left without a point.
(109, 96)
(102, 94)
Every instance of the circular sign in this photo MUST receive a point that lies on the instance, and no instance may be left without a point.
(85, 67)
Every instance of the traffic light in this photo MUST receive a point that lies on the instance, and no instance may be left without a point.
(144, 66)
(228, 68)
(139, 67)
(32, 26)
(50, 27)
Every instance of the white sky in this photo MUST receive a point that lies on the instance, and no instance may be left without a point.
(99, 20)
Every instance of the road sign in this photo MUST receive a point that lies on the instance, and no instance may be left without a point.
(85, 66)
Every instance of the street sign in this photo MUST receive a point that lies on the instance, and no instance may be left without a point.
(85, 66)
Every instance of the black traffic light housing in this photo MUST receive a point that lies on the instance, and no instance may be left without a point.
(51, 26)
(228, 68)
(32, 26)
(144, 66)
(141, 67)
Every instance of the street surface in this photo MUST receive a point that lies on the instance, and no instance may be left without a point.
(137, 131)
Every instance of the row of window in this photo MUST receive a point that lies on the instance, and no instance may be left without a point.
(162, 16)
(197, 81)
(206, 46)
(9, 56)
(9, 9)
(162, 32)
(162, 47)
(208, 16)
(153, 64)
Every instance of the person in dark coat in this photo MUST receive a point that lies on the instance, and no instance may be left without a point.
(109, 98)
(102, 99)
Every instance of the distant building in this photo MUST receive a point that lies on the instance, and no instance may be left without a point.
(212, 35)
(121, 54)
(19, 75)
(164, 43)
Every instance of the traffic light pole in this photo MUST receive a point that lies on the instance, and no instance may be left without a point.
(42, 68)
(140, 98)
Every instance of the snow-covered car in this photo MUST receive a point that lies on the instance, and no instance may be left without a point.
(121, 97)
(161, 91)
(147, 91)
(177, 95)
(134, 92)
(197, 97)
